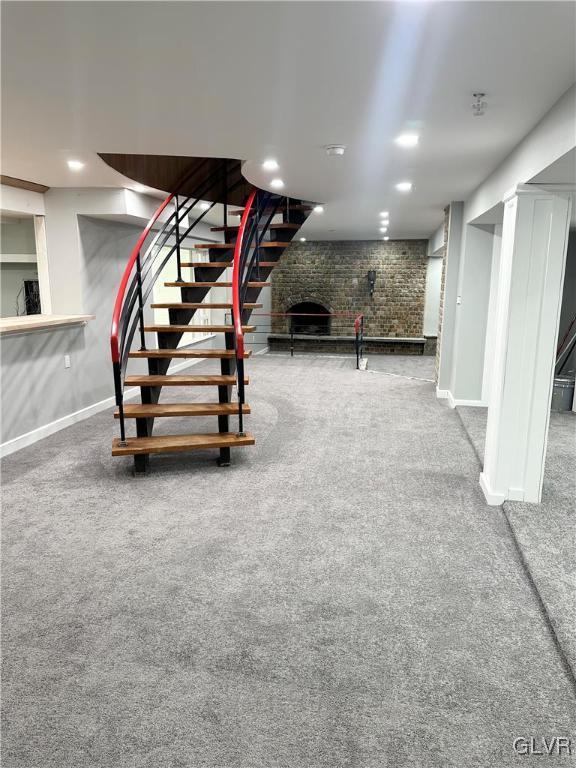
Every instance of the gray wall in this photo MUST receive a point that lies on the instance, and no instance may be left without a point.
(36, 387)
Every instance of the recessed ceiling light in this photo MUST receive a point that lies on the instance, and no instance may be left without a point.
(318, 209)
(383, 229)
(404, 186)
(75, 165)
(302, 239)
(204, 206)
(385, 214)
(277, 183)
(407, 140)
(270, 165)
(386, 238)
(335, 150)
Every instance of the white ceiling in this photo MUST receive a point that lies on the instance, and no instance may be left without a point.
(252, 80)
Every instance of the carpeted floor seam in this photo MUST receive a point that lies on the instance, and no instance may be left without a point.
(565, 659)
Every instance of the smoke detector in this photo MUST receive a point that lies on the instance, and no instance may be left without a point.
(479, 106)
(335, 150)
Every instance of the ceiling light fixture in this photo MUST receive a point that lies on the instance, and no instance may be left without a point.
(404, 186)
(386, 238)
(335, 150)
(276, 183)
(407, 140)
(383, 229)
(479, 106)
(75, 165)
(318, 209)
(302, 239)
(385, 214)
(270, 165)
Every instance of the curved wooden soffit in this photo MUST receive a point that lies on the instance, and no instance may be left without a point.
(165, 171)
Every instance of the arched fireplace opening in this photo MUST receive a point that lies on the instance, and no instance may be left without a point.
(310, 318)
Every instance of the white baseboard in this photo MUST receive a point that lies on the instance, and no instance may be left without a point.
(453, 402)
(28, 438)
(492, 497)
(471, 403)
(441, 394)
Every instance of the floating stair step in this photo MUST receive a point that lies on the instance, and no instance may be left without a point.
(202, 305)
(160, 410)
(236, 227)
(280, 209)
(196, 328)
(179, 443)
(154, 354)
(175, 380)
(222, 264)
(231, 246)
(209, 264)
(251, 284)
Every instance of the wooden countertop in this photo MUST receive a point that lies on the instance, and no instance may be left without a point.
(29, 323)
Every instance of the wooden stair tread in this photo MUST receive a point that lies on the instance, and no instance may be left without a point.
(178, 443)
(159, 410)
(235, 227)
(153, 354)
(196, 328)
(280, 210)
(209, 264)
(178, 380)
(251, 284)
(222, 264)
(202, 305)
(231, 246)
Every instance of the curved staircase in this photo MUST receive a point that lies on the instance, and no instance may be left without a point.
(243, 262)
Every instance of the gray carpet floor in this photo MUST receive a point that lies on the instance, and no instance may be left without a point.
(546, 533)
(341, 596)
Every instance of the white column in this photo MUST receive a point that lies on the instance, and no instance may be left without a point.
(534, 242)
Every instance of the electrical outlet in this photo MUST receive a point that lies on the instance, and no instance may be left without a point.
(458, 299)
(67, 361)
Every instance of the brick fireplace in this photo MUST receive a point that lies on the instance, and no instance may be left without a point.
(335, 275)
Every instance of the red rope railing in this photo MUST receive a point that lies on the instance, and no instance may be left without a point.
(237, 277)
(118, 304)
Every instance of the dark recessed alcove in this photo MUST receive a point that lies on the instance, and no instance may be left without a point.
(310, 318)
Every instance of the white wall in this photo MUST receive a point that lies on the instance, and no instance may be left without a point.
(436, 241)
(432, 296)
(472, 315)
(491, 320)
(549, 140)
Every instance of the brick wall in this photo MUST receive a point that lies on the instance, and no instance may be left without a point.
(334, 275)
